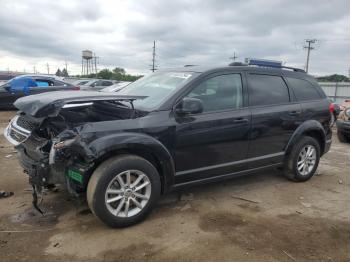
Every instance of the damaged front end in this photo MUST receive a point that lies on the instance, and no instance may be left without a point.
(51, 148)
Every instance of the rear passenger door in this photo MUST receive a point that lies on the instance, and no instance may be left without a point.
(275, 116)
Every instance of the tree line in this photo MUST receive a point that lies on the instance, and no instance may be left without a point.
(333, 78)
(115, 74)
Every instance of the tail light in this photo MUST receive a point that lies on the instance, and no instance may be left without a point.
(76, 88)
(331, 107)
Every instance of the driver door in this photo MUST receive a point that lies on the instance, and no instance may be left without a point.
(215, 141)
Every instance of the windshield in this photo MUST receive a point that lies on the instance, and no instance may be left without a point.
(158, 87)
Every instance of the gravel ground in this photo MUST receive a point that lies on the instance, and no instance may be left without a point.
(260, 217)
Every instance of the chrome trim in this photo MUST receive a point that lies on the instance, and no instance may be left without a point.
(228, 164)
(214, 178)
(8, 137)
(77, 105)
(20, 129)
(12, 126)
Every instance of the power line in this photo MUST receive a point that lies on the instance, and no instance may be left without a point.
(309, 47)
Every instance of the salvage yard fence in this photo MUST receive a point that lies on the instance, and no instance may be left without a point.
(337, 91)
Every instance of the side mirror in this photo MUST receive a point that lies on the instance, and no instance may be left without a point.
(189, 106)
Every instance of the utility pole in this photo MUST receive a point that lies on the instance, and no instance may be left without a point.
(234, 57)
(95, 62)
(309, 47)
(48, 68)
(154, 57)
(66, 65)
(34, 71)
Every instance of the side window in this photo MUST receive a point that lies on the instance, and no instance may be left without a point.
(96, 83)
(267, 90)
(59, 83)
(43, 83)
(107, 83)
(303, 90)
(219, 92)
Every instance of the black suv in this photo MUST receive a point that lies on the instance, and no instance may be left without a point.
(168, 130)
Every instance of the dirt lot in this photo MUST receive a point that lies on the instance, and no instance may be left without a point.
(283, 221)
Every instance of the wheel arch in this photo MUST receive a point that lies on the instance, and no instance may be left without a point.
(310, 128)
(141, 145)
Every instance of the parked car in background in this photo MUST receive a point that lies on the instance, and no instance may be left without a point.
(122, 151)
(335, 110)
(97, 84)
(116, 87)
(80, 82)
(345, 104)
(343, 126)
(25, 85)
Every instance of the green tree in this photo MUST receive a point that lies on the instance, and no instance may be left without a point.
(119, 70)
(64, 72)
(333, 78)
(58, 72)
(105, 74)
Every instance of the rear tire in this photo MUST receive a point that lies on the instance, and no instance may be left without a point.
(302, 162)
(343, 138)
(123, 190)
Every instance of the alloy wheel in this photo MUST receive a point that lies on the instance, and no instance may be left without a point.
(128, 193)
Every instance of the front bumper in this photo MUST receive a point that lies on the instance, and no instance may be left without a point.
(38, 170)
(343, 127)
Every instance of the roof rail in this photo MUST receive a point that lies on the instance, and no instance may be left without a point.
(294, 69)
(288, 67)
(269, 63)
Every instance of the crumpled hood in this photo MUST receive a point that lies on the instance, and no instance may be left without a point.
(50, 103)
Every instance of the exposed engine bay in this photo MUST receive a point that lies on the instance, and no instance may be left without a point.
(52, 149)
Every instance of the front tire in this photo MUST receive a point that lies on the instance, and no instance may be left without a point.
(123, 190)
(302, 162)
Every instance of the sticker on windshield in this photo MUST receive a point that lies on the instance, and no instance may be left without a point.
(181, 75)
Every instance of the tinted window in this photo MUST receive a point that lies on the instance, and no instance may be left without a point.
(59, 83)
(43, 83)
(106, 83)
(267, 90)
(303, 90)
(219, 92)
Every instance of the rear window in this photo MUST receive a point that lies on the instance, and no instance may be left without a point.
(267, 90)
(303, 89)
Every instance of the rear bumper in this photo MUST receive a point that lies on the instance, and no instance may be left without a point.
(343, 127)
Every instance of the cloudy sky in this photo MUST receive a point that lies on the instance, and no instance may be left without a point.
(121, 33)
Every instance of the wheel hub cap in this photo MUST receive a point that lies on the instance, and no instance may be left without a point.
(128, 193)
(306, 160)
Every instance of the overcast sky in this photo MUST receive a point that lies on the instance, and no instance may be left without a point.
(121, 33)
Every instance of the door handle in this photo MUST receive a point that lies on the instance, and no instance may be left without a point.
(240, 120)
(294, 113)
